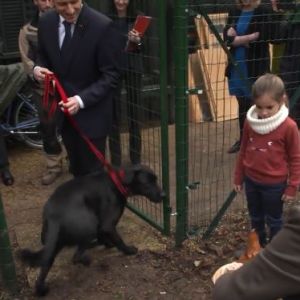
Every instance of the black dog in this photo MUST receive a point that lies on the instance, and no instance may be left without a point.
(86, 209)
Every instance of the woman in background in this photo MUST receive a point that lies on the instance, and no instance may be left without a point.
(131, 74)
(248, 32)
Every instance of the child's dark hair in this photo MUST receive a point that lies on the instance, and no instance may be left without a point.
(268, 84)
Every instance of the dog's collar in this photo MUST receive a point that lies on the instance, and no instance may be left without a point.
(121, 175)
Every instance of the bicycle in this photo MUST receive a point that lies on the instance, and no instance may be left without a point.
(20, 119)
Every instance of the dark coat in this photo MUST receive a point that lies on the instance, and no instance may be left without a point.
(91, 70)
(290, 61)
(272, 274)
(258, 56)
(130, 60)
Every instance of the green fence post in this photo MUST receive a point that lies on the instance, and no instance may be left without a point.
(7, 266)
(164, 112)
(216, 220)
(181, 117)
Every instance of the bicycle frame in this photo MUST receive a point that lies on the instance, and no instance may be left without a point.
(20, 127)
(20, 120)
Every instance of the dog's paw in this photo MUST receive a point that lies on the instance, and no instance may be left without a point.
(108, 245)
(130, 250)
(41, 290)
(29, 257)
(83, 259)
(106, 242)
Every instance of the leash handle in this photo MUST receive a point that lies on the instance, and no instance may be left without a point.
(112, 173)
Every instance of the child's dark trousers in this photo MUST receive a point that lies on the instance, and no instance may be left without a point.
(265, 207)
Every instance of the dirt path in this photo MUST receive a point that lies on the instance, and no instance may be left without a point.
(158, 271)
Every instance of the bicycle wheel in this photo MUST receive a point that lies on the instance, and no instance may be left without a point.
(27, 123)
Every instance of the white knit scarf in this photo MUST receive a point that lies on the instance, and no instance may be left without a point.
(265, 126)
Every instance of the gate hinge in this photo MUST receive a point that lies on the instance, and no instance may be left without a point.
(194, 91)
(193, 185)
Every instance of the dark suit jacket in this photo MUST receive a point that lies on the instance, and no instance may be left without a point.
(272, 274)
(91, 70)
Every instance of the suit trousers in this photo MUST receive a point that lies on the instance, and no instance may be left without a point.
(81, 158)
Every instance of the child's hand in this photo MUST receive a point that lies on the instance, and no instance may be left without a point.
(286, 198)
(238, 188)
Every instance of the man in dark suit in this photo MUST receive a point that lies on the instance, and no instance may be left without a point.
(77, 43)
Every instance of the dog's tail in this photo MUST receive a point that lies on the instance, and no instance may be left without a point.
(50, 249)
(31, 258)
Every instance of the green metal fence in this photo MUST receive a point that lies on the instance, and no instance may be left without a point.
(207, 115)
(7, 267)
(206, 120)
(144, 106)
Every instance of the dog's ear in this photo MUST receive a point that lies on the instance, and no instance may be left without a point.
(130, 172)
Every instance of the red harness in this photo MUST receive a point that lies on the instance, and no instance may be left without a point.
(52, 83)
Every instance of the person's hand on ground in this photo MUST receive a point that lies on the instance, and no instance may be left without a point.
(225, 269)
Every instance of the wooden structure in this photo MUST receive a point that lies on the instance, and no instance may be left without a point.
(208, 65)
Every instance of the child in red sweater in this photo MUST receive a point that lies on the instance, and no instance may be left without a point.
(269, 160)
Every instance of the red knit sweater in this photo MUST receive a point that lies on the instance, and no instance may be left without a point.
(270, 158)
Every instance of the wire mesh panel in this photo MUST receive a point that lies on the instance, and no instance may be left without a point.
(213, 112)
(13, 14)
(140, 120)
(218, 92)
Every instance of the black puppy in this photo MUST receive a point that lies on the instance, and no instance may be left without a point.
(85, 209)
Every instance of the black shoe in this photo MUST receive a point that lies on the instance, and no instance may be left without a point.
(7, 177)
(235, 147)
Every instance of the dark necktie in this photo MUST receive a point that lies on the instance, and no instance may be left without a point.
(67, 40)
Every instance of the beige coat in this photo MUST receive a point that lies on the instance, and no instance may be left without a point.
(28, 41)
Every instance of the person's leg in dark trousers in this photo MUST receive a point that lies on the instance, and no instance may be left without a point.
(290, 69)
(133, 87)
(3, 154)
(295, 108)
(244, 104)
(115, 135)
(273, 206)
(256, 209)
(6, 176)
(51, 146)
(81, 158)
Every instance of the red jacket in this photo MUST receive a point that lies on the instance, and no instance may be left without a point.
(270, 158)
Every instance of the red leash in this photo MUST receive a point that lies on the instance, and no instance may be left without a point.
(52, 83)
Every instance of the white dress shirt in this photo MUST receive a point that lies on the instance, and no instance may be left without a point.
(61, 36)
